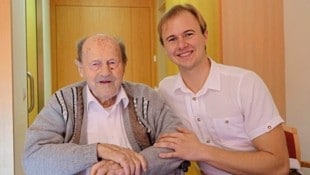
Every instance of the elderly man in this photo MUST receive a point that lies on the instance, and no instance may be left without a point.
(103, 124)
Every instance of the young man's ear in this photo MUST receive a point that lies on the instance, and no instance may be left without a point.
(206, 34)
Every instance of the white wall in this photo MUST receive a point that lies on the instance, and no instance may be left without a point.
(46, 49)
(20, 114)
(13, 97)
(297, 58)
(6, 91)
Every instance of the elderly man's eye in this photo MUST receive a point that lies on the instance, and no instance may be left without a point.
(95, 65)
(112, 63)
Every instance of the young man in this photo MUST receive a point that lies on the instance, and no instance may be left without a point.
(103, 125)
(236, 127)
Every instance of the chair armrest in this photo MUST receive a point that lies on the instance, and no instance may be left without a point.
(305, 164)
(184, 165)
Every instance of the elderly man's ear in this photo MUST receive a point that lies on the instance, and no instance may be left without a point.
(79, 67)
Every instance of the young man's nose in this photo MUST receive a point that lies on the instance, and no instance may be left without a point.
(181, 42)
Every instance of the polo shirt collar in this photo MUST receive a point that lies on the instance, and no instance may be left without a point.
(213, 81)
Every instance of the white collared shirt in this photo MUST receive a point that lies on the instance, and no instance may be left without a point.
(105, 125)
(233, 107)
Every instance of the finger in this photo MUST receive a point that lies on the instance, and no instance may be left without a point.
(166, 144)
(143, 161)
(102, 171)
(95, 168)
(117, 154)
(183, 130)
(169, 140)
(134, 162)
(138, 163)
(116, 169)
(115, 172)
(93, 171)
(120, 172)
(168, 155)
(177, 135)
(125, 162)
(126, 167)
(125, 157)
(168, 135)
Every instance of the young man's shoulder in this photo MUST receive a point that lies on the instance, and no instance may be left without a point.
(168, 81)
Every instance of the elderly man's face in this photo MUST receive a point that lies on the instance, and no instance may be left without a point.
(102, 66)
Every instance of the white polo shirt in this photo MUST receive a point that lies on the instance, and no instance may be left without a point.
(233, 107)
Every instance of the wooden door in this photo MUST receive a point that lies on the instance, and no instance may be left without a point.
(253, 38)
(131, 20)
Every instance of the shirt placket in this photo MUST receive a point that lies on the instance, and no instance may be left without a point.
(200, 121)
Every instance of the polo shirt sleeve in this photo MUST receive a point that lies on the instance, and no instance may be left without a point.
(260, 112)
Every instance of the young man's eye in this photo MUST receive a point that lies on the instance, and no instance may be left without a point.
(171, 39)
(188, 34)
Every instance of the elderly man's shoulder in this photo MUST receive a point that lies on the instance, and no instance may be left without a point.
(80, 84)
(73, 88)
(139, 88)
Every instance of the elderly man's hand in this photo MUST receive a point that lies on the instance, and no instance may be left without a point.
(131, 162)
(107, 167)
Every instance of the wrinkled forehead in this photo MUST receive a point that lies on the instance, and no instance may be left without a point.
(100, 42)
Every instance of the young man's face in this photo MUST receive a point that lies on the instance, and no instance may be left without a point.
(183, 40)
(102, 67)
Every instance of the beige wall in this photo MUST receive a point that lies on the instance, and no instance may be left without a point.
(297, 48)
(297, 39)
